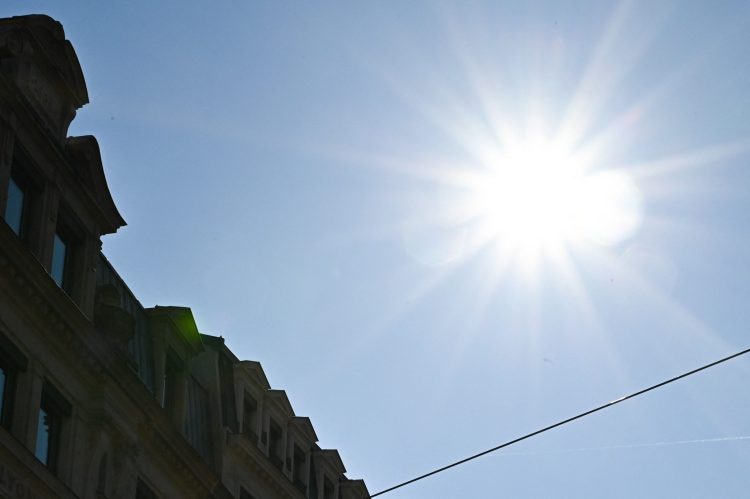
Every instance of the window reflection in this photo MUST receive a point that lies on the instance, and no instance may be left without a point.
(14, 207)
(48, 428)
(11, 362)
(3, 403)
(59, 255)
(43, 432)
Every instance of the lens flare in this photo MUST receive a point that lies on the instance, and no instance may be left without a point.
(539, 195)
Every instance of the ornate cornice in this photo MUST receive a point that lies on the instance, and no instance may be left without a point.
(65, 326)
(51, 306)
(44, 67)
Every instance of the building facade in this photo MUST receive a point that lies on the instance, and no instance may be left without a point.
(99, 396)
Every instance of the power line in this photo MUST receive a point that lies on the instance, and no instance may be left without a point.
(560, 423)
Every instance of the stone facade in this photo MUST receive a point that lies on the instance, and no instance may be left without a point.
(99, 396)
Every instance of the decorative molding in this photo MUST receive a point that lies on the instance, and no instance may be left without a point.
(46, 310)
(166, 450)
(250, 454)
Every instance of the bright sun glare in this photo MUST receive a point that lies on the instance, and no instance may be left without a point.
(539, 195)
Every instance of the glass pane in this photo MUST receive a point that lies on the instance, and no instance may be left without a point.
(14, 208)
(42, 437)
(58, 260)
(2, 393)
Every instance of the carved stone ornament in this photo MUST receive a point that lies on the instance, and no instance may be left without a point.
(117, 323)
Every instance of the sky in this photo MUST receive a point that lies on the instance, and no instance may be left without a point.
(315, 180)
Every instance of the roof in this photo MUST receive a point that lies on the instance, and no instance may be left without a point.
(181, 318)
(332, 457)
(56, 87)
(279, 396)
(253, 366)
(305, 425)
(87, 161)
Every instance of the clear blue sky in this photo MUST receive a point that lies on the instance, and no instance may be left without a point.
(280, 163)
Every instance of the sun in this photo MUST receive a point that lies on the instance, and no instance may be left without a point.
(537, 195)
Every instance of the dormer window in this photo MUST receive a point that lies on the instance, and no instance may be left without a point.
(249, 414)
(275, 443)
(300, 470)
(172, 368)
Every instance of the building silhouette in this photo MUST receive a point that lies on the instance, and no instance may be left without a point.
(99, 396)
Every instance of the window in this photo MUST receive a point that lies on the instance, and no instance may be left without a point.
(3, 386)
(197, 422)
(228, 403)
(64, 255)
(12, 361)
(249, 413)
(274, 445)
(20, 193)
(15, 209)
(60, 262)
(101, 478)
(23, 187)
(7, 388)
(327, 489)
(47, 436)
(140, 345)
(169, 381)
(299, 468)
(142, 491)
(52, 411)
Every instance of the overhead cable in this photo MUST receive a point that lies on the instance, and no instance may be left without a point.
(560, 423)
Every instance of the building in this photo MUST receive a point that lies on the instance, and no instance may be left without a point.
(99, 396)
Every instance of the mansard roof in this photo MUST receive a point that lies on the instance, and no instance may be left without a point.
(40, 71)
(332, 457)
(305, 425)
(281, 399)
(253, 366)
(87, 161)
(354, 488)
